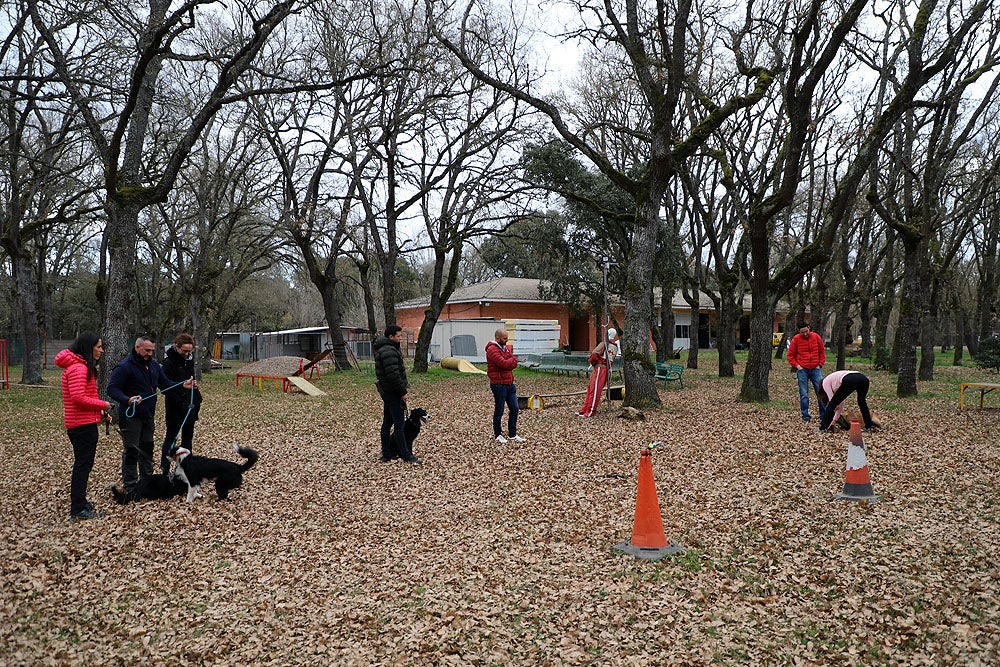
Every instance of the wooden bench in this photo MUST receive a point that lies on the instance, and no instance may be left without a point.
(669, 373)
(983, 388)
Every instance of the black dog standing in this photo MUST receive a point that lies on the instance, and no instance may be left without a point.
(195, 470)
(411, 428)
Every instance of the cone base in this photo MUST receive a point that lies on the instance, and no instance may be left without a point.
(645, 553)
(858, 494)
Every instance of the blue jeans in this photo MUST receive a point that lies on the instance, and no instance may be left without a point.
(806, 377)
(504, 394)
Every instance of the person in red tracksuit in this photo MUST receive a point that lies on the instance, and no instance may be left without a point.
(500, 365)
(807, 354)
(83, 410)
(601, 359)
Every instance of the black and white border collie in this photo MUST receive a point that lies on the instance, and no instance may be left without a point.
(411, 427)
(195, 470)
(153, 487)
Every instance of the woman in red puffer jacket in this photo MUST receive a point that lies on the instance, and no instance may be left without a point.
(83, 410)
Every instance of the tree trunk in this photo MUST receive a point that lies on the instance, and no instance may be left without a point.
(122, 232)
(331, 308)
(755, 378)
(640, 386)
(422, 352)
(695, 302)
(865, 330)
(910, 309)
(203, 337)
(729, 315)
(959, 331)
(844, 315)
(27, 302)
(665, 346)
(841, 328)
(928, 329)
(365, 280)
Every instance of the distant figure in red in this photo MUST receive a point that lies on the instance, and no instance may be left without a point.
(807, 354)
(500, 365)
(601, 359)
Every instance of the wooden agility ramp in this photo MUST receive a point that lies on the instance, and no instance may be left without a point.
(306, 386)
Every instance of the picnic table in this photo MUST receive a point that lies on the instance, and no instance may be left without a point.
(983, 388)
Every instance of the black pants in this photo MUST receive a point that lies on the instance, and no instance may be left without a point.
(84, 441)
(171, 441)
(137, 450)
(853, 382)
(394, 414)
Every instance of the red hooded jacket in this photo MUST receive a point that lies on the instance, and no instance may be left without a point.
(807, 352)
(81, 404)
(500, 363)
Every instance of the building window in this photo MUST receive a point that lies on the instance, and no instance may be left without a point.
(682, 331)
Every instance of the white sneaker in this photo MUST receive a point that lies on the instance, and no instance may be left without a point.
(518, 438)
(502, 440)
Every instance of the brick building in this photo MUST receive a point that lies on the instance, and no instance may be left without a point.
(518, 298)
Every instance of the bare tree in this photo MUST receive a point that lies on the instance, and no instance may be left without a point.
(215, 232)
(931, 208)
(161, 50)
(43, 174)
(913, 53)
(654, 44)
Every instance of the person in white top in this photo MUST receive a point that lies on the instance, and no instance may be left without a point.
(601, 359)
(837, 386)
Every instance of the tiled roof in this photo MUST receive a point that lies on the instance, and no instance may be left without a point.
(508, 290)
(502, 289)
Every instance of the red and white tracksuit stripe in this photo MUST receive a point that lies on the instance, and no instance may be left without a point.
(598, 380)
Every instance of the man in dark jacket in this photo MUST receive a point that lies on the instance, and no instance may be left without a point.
(135, 380)
(181, 406)
(390, 373)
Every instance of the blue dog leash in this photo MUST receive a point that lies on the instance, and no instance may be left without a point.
(130, 410)
(180, 428)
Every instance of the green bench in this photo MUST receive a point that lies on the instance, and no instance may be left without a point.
(670, 373)
(529, 360)
(560, 363)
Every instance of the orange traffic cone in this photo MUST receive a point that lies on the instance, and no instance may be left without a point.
(648, 539)
(857, 481)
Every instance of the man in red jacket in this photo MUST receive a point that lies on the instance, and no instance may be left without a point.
(807, 355)
(500, 365)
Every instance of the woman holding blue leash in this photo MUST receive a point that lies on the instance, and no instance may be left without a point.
(134, 385)
(181, 406)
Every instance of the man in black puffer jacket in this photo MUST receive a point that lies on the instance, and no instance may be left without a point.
(390, 372)
(178, 365)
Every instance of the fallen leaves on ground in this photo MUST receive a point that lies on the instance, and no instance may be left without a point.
(502, 554)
